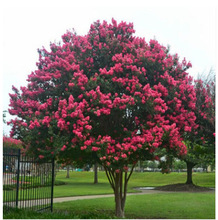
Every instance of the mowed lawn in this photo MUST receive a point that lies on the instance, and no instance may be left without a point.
(150, 206)
(171, 205)
(81, 183)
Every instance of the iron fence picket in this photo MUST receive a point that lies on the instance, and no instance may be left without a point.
(52, 188)
(18, 177)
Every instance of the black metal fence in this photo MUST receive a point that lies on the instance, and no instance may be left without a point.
(27, 183)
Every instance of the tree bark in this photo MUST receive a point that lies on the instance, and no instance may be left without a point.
(95, 173)
(68, 171)
(119, 208)
(119, 211)
(189, 172)
(119, 182)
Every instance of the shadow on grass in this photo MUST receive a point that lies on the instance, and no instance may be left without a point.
(14, 213)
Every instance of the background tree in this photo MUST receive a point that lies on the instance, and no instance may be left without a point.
(108, 97)
(68, 171)
(152, 165)
(95, 173)
(179, 165)
(201, 142)
(144, 164)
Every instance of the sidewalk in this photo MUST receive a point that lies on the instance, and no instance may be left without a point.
(73, 198)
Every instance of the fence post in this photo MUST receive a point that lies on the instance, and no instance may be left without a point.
(18, 177)
(52, 184)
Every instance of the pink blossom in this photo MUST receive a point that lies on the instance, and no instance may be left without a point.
(187, 128)
(95, 148)
(155, 145)
(24, 124)
(88, 127)
(123, 156)
(37, 113)
(83, 148)
(116, 158)
(63, 148)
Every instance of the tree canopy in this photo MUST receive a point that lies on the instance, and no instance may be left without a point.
(201, 142)
(109, 96)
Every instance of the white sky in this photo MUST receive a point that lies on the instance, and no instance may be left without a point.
(189, 29)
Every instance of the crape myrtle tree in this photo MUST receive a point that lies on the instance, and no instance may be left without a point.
(107, 96)
(201, 142)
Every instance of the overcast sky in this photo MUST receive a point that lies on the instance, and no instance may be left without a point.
(190, 30)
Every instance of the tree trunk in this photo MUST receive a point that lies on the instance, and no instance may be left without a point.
(119, 211)
(189, 172)
(119, 183)
(95, 173)
(68, 171)
(119, 207)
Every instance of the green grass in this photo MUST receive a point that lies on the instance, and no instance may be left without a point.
(81, 183)
(159, 179)
(162, 206)
(171, 205)
(29, 182)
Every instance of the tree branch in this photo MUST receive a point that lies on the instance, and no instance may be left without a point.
(111, 181)
(131, 172)
(121, 184)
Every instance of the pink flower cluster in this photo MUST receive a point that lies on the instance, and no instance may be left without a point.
(11, 142)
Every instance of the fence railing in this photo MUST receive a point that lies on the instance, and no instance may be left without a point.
(27, 183)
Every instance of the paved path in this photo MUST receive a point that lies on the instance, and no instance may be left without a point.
(73, 198)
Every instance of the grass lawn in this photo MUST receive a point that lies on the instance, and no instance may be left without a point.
(168, 206)
(81, 183)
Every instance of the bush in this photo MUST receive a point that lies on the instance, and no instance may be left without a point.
(11, 143)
